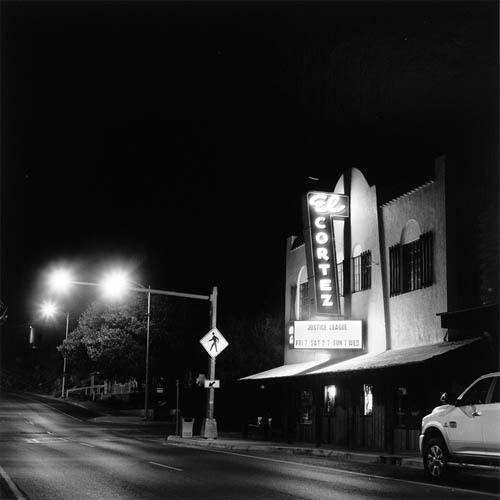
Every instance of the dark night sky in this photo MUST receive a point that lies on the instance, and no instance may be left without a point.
(178, 137)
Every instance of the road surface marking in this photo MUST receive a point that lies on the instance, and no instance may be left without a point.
(166, 466)
(13, 488)
(444, 487)
(89, 445)
(51, 439)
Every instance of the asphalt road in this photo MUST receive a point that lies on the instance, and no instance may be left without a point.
(49, 454)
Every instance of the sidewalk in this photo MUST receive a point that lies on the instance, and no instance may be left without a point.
(235, 442)
(106, 414)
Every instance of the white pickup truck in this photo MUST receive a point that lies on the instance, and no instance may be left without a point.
(465, 431)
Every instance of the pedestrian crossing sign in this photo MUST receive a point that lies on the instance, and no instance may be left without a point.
(214, 342)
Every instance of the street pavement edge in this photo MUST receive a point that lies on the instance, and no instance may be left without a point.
(414, 462)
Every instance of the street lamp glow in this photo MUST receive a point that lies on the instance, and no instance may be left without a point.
(115, 284)
(60, 280)
(49, 309)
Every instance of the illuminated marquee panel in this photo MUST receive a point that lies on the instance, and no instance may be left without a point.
(320, 209)
(328, 335)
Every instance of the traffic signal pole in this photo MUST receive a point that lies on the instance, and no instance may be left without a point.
(209, 424)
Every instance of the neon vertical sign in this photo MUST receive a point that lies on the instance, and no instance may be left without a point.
(320, 209)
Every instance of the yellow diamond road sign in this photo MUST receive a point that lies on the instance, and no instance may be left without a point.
(214, 342)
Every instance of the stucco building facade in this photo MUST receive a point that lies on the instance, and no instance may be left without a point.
(394, 274)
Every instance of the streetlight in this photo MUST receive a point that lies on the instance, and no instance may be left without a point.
(60, 279)
(116, 283)
(49, 310)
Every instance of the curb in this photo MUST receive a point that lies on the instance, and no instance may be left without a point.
(411, 462)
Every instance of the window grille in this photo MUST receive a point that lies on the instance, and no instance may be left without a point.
(340, 274)
(361, 278)
(411, 265)
(395, 270)
(293, 300)
(356, 274)
(304, 302)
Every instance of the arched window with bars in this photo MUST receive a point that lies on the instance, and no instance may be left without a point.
(411, 261)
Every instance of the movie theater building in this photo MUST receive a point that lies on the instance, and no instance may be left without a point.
(366, 354)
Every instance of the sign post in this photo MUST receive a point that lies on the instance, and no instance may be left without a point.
(214, 343)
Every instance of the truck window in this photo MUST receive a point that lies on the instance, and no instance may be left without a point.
(477, 394)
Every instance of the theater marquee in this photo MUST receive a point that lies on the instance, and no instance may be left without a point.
(328, 335)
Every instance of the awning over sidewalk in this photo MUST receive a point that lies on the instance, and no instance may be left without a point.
(386, 359)
(394, 357)
(291, 370)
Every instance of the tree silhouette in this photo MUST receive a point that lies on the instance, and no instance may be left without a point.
(111, 338)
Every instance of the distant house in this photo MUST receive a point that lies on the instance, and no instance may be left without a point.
(418, 286)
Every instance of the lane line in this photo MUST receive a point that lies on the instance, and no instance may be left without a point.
(13, 488)
(166, 466)
(89, 445)
(353, 473)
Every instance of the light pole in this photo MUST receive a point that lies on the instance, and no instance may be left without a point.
(147, 290)
(146, 383)
(63, 385)
(49, 310)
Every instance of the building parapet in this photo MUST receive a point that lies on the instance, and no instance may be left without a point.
(408, 193)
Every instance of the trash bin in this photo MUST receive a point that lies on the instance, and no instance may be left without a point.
(187, 427)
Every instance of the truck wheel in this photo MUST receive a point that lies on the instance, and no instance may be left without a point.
(436, 458)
